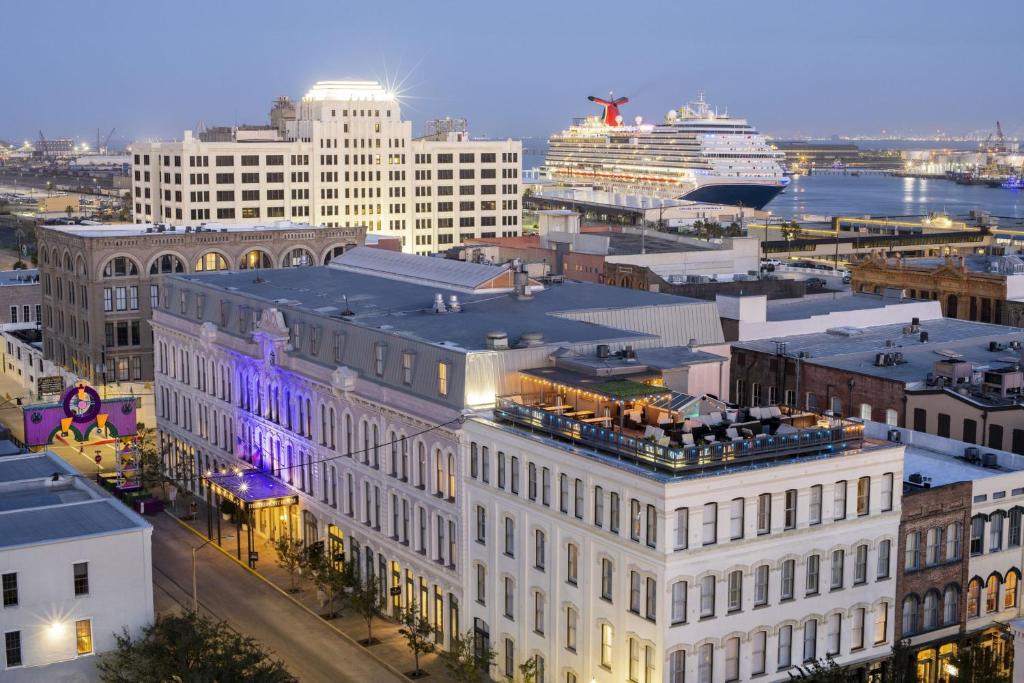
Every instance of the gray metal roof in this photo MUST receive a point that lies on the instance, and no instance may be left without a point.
(564, 313)
(437, 272)
(39, 525)
(800, 309)
(855, 350)
(31, 466)
(40, 496)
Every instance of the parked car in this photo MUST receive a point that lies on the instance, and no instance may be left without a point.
(815, 282)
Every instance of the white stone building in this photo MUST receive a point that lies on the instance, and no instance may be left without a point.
(75, 569)
(345, 159)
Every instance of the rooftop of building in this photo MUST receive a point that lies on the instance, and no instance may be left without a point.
(42, 500)
(1010, 264)
(159, 229)
(15, 278)
(397, 293)
(28, 335)
(823, 304)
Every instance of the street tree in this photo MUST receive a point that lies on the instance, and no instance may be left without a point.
(291, 557)
(330, 580)
(975, 662)
(820, 671)
(528, 671)
(189, 647)
(466, 660)
(419, 635)
(364, 597)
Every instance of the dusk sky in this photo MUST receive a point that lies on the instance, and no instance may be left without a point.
(515, 69)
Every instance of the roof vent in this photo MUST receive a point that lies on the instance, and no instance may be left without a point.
(924, 337)
(453, 304)
(531, 339)
(603, 351)
(497, 340)
(989, 460)
(439, 306)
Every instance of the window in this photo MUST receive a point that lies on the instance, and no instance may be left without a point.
(651, 610)
(995, 531)
(974, 598)
(736, 519)
(682, 528)
(81, 574)
(911, 606)
(634, 660)
(860, 565)
(785, 655)
(814, 508)
(786, 587)
(705, 663)
(1013, 539)
(950, 605)
(12, 648)
(887, 492)
(572, 563)
(761, 585)
(442, 378)
(810, 640)
(598, 506)
(992, 593)
(764, 513)
(634, 519)
(931, 610)
(835, 632)
(790, 516)
(481, 525)
(839, 507)
(933, 546)
(812, 576)
(977, 535)
(606, 579)
(883, 559)
(563, 493)
(677, 667)
(678, 612)
(758, 645)
(509, 598)
(707, 596)
(710, 523)
(634, 592)
(912, 551)
(83, 636)
(838, 562)
(881, 623)
(857, 630)
(613, 512)
(510, 537)
(9, 583)
(539, 600)
(735, 591)
(539, 542)
(863, 496)
(481, 584)
(892, 418)
(732, 659)
(606, 646)
(571, 623)
(510, 658)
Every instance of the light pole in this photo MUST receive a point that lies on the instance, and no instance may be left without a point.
(195, 592)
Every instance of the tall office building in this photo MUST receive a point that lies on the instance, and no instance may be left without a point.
(343, 157)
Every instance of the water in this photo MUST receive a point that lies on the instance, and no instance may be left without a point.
(891, 196)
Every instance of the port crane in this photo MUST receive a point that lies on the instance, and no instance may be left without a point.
(101, 147)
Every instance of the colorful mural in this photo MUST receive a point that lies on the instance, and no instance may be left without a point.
(79, 412)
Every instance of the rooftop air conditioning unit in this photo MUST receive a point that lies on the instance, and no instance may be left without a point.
(971, 454)
(989, 460)
(996, 346)
(895, 435)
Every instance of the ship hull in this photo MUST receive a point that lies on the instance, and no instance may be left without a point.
(750, 195)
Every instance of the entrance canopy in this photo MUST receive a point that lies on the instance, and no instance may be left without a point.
(252, 489)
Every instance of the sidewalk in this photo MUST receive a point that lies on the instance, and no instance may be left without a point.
(392, 648)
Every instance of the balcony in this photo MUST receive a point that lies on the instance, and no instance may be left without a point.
(672, 436)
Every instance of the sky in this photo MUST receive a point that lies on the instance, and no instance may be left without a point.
(514, 69)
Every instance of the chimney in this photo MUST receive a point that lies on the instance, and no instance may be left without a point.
(521, 281)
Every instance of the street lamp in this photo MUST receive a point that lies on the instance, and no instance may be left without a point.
(195, 592)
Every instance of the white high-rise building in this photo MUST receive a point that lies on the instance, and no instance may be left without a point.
(344, 159)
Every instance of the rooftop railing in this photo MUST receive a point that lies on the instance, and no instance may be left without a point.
(838, 436)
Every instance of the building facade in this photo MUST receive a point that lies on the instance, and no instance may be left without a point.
(607, 572)
(75, 569)
(346, 159)
(20, 299)
(100, 283)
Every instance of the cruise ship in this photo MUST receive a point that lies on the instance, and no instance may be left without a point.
(695, 154)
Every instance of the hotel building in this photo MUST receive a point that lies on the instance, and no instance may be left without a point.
(542, 465)
(343, 157)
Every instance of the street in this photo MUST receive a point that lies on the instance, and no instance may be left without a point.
(310, 648)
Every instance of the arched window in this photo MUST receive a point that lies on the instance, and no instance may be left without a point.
(950, 605)
(167, 263)
(120, 266)
(333, 252)
(451, 476)
(256, 258)
(211, 260)
(297, 257)
(910, 609)
(67, 262)
(80, 267)
(421, 465)
(439, 472)
(1010, 590)
(992, 593)
(931, 610)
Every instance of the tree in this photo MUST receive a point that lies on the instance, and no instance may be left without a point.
(901, 665)
(291, 557)
(419, 635)
(330, 580)
(467, 659)
(189, 647)
(976, 662)
(19, 265)
(151, 466)
(791, 231)
(70, 211)
(528, 670)
(365, 599)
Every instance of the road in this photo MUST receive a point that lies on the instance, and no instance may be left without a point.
(311, 650)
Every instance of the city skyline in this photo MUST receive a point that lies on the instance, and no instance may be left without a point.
(182, 71)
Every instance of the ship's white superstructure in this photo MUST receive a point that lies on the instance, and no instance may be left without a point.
(695, 153)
